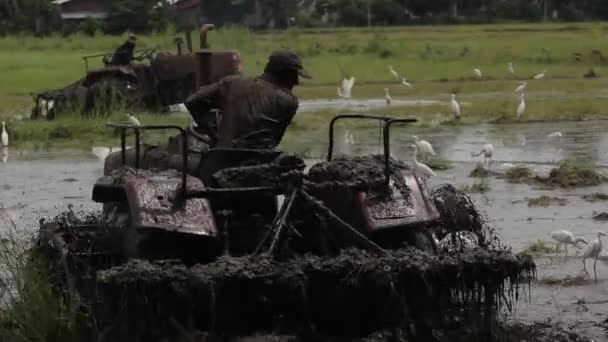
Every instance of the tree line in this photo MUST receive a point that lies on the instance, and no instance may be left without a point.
(40, 16)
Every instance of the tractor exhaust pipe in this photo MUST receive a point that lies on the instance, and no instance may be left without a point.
(204, 44)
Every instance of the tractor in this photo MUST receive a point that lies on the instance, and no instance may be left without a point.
(167, 79)
(233, 241)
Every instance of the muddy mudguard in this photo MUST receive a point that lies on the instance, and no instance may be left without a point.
(404, 204)
(153, 201)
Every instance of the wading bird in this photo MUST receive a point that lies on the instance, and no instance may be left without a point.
(511, 69)
(4, 136)
(393, 72)
(593, 251)
(406, 83)
(566, 238)
(521, 109)
(101, 152)
(424, 147)
(521, 87)
(347, 88)
(488, 152)
(133, 120)
(477, 73)
(455, 107)
(387, 97)
(419, 168)
(540, 75)
(554, 135)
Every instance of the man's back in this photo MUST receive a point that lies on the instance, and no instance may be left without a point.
(254, 112)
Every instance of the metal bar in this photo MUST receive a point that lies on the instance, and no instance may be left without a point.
(282, 218)
(386, 132)
(210, 192)
(136, 148)
(123, 127)
(330, 149)
(123, 146)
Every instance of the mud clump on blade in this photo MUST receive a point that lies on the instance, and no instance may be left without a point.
(349, 295)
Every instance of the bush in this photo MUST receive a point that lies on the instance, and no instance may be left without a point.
(90, 26)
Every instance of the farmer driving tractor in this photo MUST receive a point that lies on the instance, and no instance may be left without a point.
(124, 53)
(239, 112)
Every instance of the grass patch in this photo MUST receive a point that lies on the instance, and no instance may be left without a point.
(439, 164)
(546, 201)
(596, 197)
(567, 281)
(571, 174)
(539, 247)
(76, 132)
(519, 174)
(477, 188)
(32, 311)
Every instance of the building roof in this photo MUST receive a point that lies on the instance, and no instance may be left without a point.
(84, 15)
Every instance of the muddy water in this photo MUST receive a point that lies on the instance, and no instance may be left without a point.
(34, 185)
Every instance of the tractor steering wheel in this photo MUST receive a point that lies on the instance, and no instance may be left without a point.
(147, 54)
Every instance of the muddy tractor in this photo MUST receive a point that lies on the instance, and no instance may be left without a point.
(244, 201)
(161, 80)
(241, 242)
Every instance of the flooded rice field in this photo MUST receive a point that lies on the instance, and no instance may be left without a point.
(34, 185)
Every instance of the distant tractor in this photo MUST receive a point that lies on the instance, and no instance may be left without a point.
(167, 79)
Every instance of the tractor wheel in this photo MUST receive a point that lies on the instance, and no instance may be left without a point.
(402, 237)
(104, 96)
(457, 212)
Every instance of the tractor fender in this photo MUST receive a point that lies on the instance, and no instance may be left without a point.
(124, 73)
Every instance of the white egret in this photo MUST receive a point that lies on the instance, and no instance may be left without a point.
(554, 135)
(455, 107)
(593, 251)
(101, 152)
(347, 87)
(349, 138)
(521, 87)
(180, 107)
(393, 72)
(477, 73)
(487, 152)
(387, 97)
(4, 136)
(540, 75)
(511, 69)
(521, 109)
(406, 83)
(424, 147)
(419, 168)
(566, 238)
(133, 120)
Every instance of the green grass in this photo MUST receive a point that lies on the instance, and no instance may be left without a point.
(438, 60)
(73, 131)
(31, 311)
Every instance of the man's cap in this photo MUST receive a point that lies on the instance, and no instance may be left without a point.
(287, 60)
